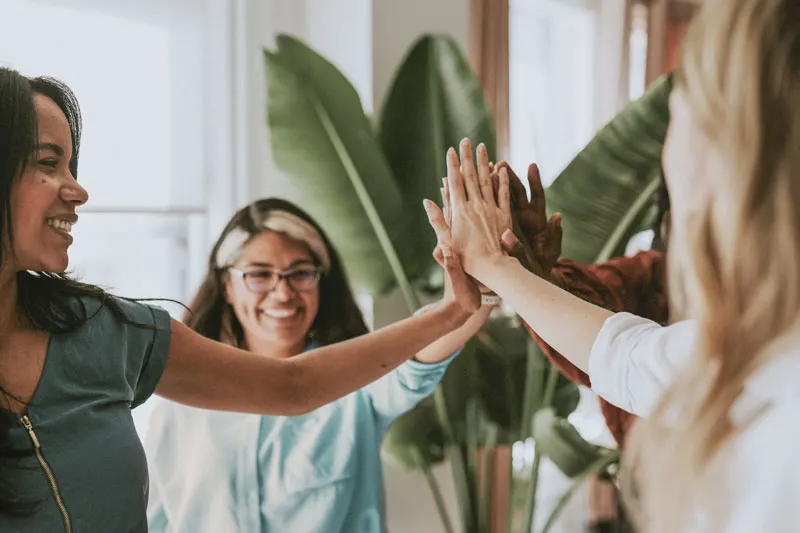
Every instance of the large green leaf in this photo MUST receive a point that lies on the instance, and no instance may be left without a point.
(558, 440)
(415, 440)
(609, 191)
(434, 102)
(324, 141)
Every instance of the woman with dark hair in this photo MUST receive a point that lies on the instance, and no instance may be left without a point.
(74, 360)
(275, 286)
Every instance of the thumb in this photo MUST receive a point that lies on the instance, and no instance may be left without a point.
(460, 283)
(438, 256)
(554, 237)
(437, 221)
(511, 244)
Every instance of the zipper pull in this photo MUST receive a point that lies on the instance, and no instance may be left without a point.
(29, 428)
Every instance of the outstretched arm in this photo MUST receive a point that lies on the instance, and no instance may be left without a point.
(609, 347)
(203, 373)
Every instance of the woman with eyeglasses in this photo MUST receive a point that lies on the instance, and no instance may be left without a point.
(276, 287)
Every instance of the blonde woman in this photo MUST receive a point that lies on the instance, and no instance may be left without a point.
(718, 451)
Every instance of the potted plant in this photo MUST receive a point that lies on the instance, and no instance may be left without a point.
(365, 185)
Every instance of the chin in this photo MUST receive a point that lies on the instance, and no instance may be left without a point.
(55, 264)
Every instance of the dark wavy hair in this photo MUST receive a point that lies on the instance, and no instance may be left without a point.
(338, 318)
(50, 302)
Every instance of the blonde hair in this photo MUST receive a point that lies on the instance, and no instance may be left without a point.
(734, 262)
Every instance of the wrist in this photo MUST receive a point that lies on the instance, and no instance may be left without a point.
(450, 313)
(487, 268)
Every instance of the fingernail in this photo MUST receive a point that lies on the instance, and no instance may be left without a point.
(426, 203)
(447, 251)
(482, 147)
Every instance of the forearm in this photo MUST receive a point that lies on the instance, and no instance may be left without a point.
(567, 323)
(211, 375)
(442, 348)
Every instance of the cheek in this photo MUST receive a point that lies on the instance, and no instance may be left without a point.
(243, 301)
(311, 302)
(681, 162)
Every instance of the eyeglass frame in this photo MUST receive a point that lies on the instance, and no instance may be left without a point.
(278, 277)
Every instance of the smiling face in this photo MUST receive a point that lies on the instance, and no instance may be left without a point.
(276, 321)
(44, 198)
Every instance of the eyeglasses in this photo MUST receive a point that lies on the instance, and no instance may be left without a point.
(263, 281)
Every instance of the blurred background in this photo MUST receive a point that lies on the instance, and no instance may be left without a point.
(175, 95)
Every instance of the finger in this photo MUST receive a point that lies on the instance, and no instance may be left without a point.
(511, 244)
(437, 221)
(503, 193)
(537, 191)
(491, 166)
(519, 198)
(468, 171)
(448, 213)
(462, 286)
(455, 179)
(484, 174)
(496, 184)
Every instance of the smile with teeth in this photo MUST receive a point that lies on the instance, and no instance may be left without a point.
(281, 313)
(62, 225)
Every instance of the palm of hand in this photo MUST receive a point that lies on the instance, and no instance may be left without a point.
(476, 220)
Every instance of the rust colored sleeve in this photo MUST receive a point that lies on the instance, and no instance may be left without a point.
(633, 284)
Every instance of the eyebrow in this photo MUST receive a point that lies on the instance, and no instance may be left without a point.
(51, 146)
(292, 265)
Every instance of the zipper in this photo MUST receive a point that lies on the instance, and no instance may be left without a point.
(48, 471)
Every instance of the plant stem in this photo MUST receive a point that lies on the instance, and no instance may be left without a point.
(596, 468)
(487, 479)
(530, 499)
(438, 500)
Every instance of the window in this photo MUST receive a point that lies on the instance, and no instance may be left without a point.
(637, 61)
(551, 58)
(141, 75)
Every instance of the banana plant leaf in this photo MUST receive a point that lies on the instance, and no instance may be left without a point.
(416, 440)
(609, 192)
(558, 440)
(492, 370)
(504, 364)
(434, 102)
(323, 140)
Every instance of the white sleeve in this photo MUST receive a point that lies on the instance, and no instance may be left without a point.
(634, 360)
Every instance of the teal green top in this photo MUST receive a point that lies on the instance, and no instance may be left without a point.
(81, 416)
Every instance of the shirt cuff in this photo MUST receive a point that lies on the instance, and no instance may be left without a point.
(420, 368)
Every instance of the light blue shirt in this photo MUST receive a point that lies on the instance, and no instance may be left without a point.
(316, 473)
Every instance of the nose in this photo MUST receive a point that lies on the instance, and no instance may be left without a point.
(283, 291)
(74, 193)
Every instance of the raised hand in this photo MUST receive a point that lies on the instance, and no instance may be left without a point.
(477, 219)
(536, 241)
